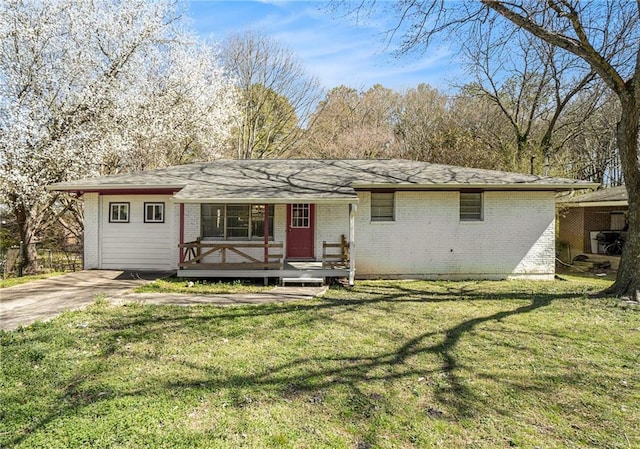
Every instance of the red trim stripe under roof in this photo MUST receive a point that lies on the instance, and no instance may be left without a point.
(149, 191)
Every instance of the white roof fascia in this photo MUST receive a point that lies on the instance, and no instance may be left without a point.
(596, 204)
(94, 187)
(352, 200)
(517, 186)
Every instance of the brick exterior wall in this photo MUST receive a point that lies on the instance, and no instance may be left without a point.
(571, 230)
(577, 223)
(91, 204)
(516, 238)
(280, 222)
(596, 219)
(191, 221)
(332, 221)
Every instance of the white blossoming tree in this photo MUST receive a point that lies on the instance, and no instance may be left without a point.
(88, 87)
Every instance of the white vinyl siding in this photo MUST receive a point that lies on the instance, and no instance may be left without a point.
(136, 245)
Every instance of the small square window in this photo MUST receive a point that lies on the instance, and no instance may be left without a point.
(471, 206)
(154, 212)
(118, 212)
(382, 206)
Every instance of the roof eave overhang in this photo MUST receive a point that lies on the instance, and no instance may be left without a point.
(478, 186)
(258, 200)
(117, 189)
(621, 203)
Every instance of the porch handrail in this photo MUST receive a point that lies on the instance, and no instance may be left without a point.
(193, 255)
(334, 259)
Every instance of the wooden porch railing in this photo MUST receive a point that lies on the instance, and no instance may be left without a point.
(336, 255)
(193, 255)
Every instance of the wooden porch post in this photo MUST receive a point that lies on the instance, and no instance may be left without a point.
(266, 240)
(266, 233)
(352, 243)
(181, 232)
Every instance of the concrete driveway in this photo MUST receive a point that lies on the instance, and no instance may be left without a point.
(45, 298)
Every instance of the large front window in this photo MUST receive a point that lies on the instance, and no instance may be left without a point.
(235, 221)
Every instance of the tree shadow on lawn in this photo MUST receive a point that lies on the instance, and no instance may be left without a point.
(302, 375)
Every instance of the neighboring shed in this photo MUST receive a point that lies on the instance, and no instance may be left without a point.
(323, 218)
(581, 218)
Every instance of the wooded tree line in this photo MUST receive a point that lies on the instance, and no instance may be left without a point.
(532, 110)
(468, 128)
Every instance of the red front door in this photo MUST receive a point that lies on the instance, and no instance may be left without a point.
(300, 231)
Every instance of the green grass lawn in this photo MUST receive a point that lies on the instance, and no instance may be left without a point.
(201, 287)
(13, 281)
(384, 365)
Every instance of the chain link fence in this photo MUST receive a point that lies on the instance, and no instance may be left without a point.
(49, 260)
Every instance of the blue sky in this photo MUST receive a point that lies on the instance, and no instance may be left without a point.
(335, 49)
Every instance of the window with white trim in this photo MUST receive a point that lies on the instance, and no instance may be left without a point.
(300, 215)
(382, 206)
(118, 212)
(471, 206)
(154, 212)
(234, 221)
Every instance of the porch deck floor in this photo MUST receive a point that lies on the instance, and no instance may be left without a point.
(291, 269)
(304, 265)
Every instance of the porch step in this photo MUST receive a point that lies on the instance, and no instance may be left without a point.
(285, 281)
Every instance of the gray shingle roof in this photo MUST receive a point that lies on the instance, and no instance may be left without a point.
(618, 194)
(317, 179)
